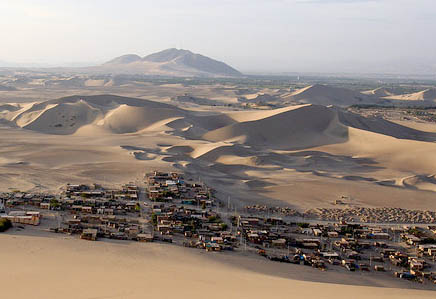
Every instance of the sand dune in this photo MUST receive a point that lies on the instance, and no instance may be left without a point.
(305, 127)
(6, 123)
(8, 107)
(424, 95)
(115, 114)
(293, 127)
(304, 141)
(378, 92)
(129, 119)
(259, 98)
(78, 269)
(382, 126)
(328, 95)
(64, 118)
(422, 182)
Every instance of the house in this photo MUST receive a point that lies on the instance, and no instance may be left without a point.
(379, 236)
(22, 217)
(218, 240)
(333, 234)
(44, 205)
(145, 237)
(164, 228)
(89, 234)
(416, 265)
(316, 232)
(87, 210)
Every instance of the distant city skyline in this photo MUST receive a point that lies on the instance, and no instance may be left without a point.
(356, 36)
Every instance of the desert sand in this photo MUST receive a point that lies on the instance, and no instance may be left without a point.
(44, 266)
(305, 156)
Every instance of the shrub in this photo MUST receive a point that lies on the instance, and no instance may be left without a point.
(5, 224)
(303, 225)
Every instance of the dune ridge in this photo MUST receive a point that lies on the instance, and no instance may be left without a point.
(328, 95)
(292, 127)
(426, 95)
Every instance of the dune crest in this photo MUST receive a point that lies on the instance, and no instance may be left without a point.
(428, 95)
(328, 95)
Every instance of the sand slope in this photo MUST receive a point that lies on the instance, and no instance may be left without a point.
(78, 269)
(328, 95)
(299, 128)
(378, 92)
(428, 95)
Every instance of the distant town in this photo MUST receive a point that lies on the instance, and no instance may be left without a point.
(167, 207)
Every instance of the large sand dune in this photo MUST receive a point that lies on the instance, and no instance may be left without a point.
(298, 128)
(427, 95)
(328, 95)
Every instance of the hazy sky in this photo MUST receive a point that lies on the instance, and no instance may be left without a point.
(251, 35)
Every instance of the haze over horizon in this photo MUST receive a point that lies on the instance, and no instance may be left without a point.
(358, 36)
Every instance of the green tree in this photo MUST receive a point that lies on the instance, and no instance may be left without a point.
(5, 224)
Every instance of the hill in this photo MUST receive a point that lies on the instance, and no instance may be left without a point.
(170, 62)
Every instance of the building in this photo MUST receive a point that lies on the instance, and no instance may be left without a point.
(89, 234)
(22, 217)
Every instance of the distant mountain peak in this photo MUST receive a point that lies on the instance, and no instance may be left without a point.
(167, 55)
(173, 62)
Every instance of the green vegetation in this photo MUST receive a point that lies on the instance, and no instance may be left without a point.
(54, 203)
(212, 219)
(5, 224)
(416, 232)
(303, 224)
(223, 226)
